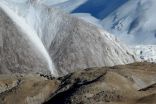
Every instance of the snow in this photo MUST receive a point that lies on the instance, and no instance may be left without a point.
(53, 2)
(134, 22)
(146, 52)
(89, 18)
(70, 5)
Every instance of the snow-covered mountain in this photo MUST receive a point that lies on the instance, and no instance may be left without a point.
(134, 22)
(92, 11)
(71, 42)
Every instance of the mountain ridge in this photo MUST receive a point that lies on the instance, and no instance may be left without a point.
(71, 42)
(126, 84)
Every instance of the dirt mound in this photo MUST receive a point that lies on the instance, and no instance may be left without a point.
(127, 84)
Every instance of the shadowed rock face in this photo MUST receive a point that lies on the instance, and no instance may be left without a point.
(17, 52)
(128, 84)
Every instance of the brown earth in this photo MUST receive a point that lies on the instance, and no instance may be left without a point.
(128, 84)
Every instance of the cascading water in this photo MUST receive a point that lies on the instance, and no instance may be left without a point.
(32, 35)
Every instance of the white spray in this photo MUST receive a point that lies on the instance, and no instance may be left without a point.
(31, 34)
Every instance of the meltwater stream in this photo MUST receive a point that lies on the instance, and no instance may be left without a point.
(32, 35)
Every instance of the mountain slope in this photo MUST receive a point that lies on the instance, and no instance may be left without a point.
(76, 44)
(128, 84)
(85, 46)
(134, 22)
(72, 43)
(18, 53)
